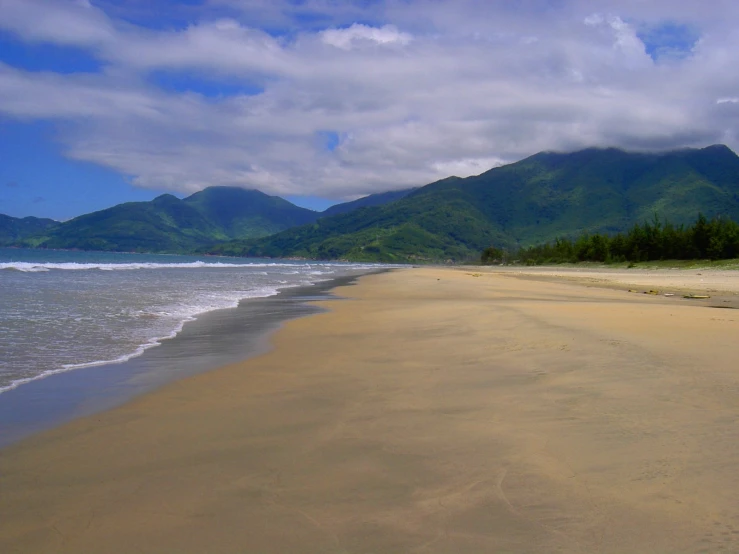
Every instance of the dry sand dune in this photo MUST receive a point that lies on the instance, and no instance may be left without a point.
(431, 411)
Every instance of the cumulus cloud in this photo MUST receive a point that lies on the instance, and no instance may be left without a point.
(412, 91)
(75, 23)
(358, 35)
(466, 167)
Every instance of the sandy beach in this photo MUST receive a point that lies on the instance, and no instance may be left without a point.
(723, 283)
(433, 410)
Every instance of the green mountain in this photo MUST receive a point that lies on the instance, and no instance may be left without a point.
(14, 229)
(168, 224)
(542, 197)
(248, 213)
(367, 201)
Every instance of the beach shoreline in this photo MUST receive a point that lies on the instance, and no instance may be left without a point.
(207, 342)
(431, 410)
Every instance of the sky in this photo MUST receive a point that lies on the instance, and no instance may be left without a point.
(322, 101)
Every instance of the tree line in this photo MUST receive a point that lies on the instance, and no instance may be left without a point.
(715, 239)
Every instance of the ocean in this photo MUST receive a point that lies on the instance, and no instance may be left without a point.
(62, 311)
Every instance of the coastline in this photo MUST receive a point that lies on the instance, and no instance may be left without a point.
(211, 340)
(428, 411)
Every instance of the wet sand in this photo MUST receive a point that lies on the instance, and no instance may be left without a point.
(434, 410)
(213, 340)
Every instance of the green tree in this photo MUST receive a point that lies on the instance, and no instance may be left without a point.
(492, 255)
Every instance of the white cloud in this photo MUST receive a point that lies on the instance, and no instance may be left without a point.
(223, 46)
(75, 23)
(467, 166)
(626, 39)
(358, 35)
(427, 90)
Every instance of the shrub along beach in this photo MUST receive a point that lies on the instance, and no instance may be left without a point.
(717, 239)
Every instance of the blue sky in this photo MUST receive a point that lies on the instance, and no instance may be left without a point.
(318, 101)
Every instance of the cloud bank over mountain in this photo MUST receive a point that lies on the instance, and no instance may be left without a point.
(341, 99)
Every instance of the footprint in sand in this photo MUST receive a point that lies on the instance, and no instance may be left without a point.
(723, 538)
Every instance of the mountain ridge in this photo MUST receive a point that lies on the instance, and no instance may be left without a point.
(170, 224)
(542, 197)
(13, 229)
(376, 199)
(539, 198)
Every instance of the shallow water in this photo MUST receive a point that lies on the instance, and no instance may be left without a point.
(61, 310)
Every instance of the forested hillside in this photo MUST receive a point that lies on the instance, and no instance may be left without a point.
(538, 199)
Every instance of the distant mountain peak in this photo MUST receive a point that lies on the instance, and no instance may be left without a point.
(221, 189)
(166, 197)
(14, 229)
(719, 149)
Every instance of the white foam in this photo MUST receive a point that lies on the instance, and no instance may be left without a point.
(184, 314)
(313, 268)
(169, 320)
(76, 266)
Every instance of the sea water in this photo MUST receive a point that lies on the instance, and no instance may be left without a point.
(62, 310)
